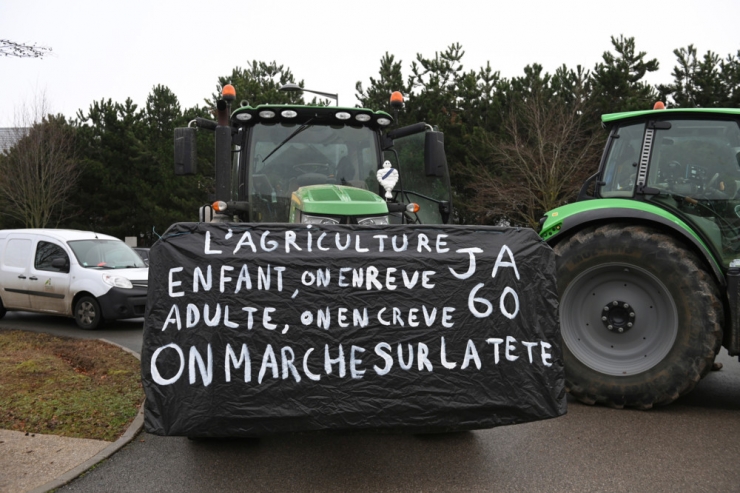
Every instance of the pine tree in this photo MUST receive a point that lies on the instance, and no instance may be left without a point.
(378, 93)
(730, 69)
(617, 83)
(176, 198)
(259, 83)
(116, 186)
(709, 82)
(696, 83)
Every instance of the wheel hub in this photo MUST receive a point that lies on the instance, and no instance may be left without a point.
(611, 352)
(618, 316)
(86, 312)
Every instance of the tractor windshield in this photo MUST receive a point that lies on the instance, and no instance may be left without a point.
(283, 157)
(696, 166)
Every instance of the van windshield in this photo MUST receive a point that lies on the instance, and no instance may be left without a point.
(105, 254)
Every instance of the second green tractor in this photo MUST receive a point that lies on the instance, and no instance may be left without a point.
(649, 258)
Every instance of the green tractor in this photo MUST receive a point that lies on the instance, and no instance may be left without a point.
(649, 258)
(279, 163)
(379, 200)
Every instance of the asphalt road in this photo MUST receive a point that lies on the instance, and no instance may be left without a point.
(690, 445)
(127, 333)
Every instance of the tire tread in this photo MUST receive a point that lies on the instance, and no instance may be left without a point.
(704, 286)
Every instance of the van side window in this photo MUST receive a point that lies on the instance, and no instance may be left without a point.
(46, 253)
(16, 253)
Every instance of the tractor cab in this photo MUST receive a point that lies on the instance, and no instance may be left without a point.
(683, 161)
(649, 266)
(330, 165)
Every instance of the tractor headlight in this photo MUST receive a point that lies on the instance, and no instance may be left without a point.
(117, 282)
(306, 219)
(370, 221)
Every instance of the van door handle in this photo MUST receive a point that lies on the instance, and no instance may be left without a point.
(34, 278)
(21, 276)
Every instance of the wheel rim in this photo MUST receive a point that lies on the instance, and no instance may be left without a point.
(86, 312)
(585, 322)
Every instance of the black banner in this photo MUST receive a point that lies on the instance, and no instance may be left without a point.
(261, 328)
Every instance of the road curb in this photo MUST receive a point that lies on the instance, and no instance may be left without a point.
(134, 428)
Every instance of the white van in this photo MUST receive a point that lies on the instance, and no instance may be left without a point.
(89, 276)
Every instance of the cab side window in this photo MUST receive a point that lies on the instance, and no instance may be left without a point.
(621, 166)
(428, 190)
(46, 253)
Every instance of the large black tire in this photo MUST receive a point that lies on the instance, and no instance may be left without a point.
(3, 311)
(641, 319)
(88, 314)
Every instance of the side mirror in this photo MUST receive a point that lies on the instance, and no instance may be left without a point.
(60, 263)
(185, 156)
(398, 133)
(435, 161)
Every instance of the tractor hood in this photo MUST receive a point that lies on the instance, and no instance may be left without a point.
(338, 200)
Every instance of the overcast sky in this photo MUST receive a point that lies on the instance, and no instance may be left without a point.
(104, 49)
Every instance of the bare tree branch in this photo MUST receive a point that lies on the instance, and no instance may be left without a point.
(38, 174)
(536, 163)
(20, 50)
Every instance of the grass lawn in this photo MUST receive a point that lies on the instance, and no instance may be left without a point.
(69, 387)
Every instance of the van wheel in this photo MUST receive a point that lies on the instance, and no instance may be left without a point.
(3, 311)
(88, 314)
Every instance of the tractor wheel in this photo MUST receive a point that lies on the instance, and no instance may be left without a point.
(641, 319)
(88, 314)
